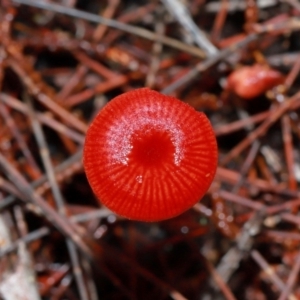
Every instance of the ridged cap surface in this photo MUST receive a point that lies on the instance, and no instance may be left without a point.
(148, 156)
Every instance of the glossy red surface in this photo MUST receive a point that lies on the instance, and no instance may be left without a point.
(249, 82)
(148, 156)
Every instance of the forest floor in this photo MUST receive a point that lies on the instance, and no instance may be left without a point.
(62, 61)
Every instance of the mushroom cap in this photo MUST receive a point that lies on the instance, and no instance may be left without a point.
(148, 156)
(249, 82)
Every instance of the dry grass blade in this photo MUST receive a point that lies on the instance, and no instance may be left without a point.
(121, 26)
(62, 224)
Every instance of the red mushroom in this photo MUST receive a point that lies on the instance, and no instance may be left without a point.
(249, 82)
(148, 156)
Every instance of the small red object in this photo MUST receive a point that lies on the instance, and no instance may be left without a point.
(249, 82)
(148, 156)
